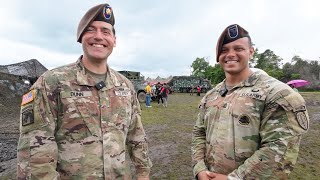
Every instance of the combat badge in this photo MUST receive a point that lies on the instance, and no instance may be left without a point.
(244, 120)
(302, 120)
(27, 116)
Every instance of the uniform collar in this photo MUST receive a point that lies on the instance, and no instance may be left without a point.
(250, 81)
(83, 79)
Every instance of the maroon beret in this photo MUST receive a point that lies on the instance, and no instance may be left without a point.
(230, 34)
(101, 12)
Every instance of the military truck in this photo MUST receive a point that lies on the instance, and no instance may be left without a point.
(138, 81)
(184, 84)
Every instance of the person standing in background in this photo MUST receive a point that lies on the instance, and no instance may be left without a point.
(191, 90)
(164, 93)
(148, 96)
(198, 90)
(159, 97)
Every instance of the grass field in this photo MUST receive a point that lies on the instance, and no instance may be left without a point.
(169, 132)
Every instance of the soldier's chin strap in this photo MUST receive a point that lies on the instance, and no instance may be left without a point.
(223, 92)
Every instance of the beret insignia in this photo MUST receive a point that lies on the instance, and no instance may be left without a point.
(233, 31)
(107, 12)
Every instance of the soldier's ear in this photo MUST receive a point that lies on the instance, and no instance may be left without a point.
(115, 41)
(251, 50)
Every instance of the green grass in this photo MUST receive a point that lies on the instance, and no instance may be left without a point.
(169, 132)
(308, 164)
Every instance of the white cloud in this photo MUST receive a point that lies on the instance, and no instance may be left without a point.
(159, 37)
(16, 52)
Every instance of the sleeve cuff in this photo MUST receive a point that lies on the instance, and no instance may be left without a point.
(233, 176)
(200, 166)
(143, 172)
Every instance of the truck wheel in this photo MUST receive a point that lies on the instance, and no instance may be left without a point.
(142, 97)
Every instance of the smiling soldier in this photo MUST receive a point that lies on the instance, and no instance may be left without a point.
(78, 121)
(250, 125)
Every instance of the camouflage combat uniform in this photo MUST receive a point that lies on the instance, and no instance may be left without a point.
(252, 133)
(71, 130)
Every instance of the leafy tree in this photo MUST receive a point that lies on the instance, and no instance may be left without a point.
(256, 56)
(216, 74)
(295, 76)
(199, 66)
(287, 70)
(315, 69)
(267, 60)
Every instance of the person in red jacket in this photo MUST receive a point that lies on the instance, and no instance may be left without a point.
(198, 90)
(164, 93)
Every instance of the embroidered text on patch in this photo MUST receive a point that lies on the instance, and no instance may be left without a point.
(123, 93)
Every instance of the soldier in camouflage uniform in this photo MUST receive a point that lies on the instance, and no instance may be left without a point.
(250, 125)
(78, 120)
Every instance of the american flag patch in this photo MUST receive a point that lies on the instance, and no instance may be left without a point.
(27, 97)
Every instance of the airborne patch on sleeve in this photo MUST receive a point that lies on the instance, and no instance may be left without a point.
(28, 97)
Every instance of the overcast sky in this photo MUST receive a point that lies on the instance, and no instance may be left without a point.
(157, 37)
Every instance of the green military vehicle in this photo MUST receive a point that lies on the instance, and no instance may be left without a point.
(184, 84)
(137, 80)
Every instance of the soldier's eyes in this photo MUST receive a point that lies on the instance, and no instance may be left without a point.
(224, 50)
(91, 29)
(106, 32)
(239, 49)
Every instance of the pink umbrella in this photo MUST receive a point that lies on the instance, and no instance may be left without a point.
(298, 83)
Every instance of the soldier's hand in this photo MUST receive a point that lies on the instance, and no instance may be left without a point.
(206, 175)
(143, 178)
(220, 176)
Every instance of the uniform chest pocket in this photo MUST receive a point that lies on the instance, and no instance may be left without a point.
(80, 117)
(120, 111)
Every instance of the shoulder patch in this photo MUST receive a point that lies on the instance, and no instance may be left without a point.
(303, 120)
(28, 97)
(27, 116)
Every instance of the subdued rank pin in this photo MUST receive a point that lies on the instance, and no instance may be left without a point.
(100, 85)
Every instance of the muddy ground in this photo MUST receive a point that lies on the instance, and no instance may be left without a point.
(169, 134)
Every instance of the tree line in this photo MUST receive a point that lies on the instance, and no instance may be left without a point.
(271, 63)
